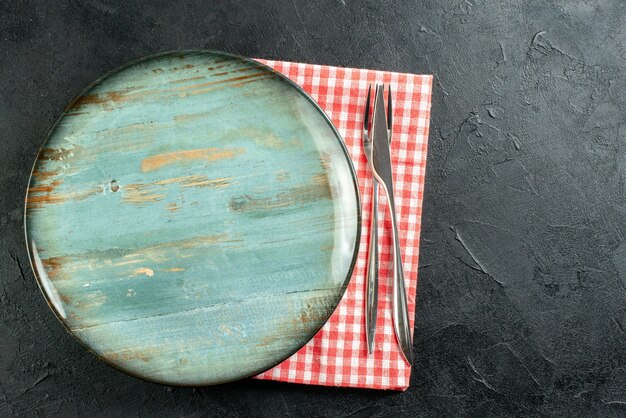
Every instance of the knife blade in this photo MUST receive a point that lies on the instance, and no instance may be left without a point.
(381, 164)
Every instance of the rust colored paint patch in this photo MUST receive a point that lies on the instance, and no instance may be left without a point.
(320, 182)
(131, 354)
(92, 300)
(53, 266)
(59, 268)
(106, 100)
(200, 241)
(297, 196)
(217, 67)
(45, 188)
(142, 193)
(221, 84)
(155, 162)
(213, 183)
(44, 175)
(172, 207)
(173, 269)
(221, 60)
(143, 271)
(56, 154)
(267, 341)
(137, 194)
(184, 80)
(325, 161)
(268, 76)
(238, 70)
(62, 267)
(41, 196)
(111, 96)
(310, 315)
(74, 317)
(190, 116)
(228, 80)
(168, 250)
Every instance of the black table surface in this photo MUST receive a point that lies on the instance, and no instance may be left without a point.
(521, 305)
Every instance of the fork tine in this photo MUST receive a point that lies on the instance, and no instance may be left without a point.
(389, 109)
(366, 118)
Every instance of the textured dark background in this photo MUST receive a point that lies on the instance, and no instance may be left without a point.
(521, 296)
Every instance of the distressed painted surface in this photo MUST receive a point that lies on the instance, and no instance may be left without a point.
(192, 219)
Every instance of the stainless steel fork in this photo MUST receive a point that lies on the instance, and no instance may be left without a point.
(371, 280)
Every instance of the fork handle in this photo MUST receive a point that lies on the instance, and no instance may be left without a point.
(400, 306)
(371, 280)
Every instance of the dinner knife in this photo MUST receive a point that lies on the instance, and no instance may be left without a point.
(381, 164)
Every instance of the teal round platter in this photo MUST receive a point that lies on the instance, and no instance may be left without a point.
(193, 218)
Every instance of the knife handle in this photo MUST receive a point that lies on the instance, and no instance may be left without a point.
(371, 279)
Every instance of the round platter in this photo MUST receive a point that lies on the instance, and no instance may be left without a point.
(193, 218)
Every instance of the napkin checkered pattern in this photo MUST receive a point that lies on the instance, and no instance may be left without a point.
(337, 354)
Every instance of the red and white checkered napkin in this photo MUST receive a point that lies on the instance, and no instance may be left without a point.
(337, 355)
